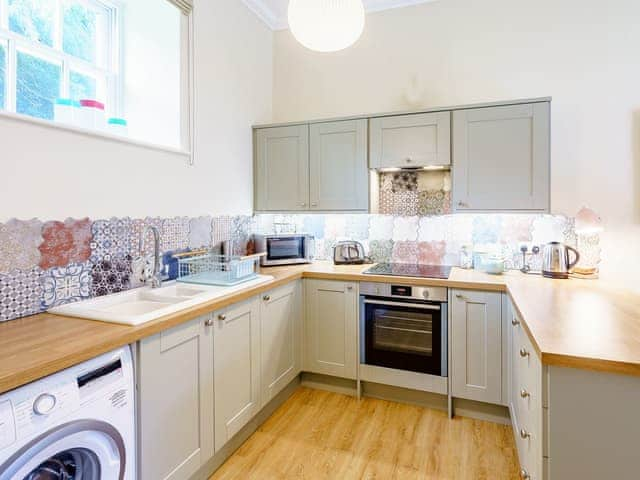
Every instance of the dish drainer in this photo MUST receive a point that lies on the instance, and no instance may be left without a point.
(212, 269)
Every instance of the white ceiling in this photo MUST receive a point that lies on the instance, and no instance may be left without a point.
(274, 12)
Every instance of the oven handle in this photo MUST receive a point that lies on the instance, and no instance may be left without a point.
(400, 304)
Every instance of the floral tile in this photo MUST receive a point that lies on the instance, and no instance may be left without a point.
(62, 285)
(335, 226)
(404, 182)
(357, 227)
(433, 202)
(174, 234)
(19, 241)
(222, 229)
(487, 228)
(386, 182)
(405, 203)
(65, 242)
(432, 228)
(405, 252)
(20, 293)
(432, 253)
(385, 203)
(111, 275)
(111, 239)
(381, 250)
(381, 227)
(241, 234)
(548, 228)
(431, 180)
(405, 229)
(314, 225)
(516, 228)
(200, 232)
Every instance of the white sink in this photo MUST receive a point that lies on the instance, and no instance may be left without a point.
(141, 305)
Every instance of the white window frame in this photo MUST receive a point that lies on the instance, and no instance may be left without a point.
(110, 71)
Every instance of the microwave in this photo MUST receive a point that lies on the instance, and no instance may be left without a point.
(284, 248)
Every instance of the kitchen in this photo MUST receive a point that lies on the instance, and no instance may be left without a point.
(479, 143)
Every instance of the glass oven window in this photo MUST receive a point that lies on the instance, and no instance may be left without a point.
(403, 331)
(285, 248)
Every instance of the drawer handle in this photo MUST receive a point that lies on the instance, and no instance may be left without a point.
(222, 317)
(209, 322)
(524, 475)
(524, 353)
(459, 296)
(303, 204)
(314, 204)
(266, 298)
(350, 287)
(515, 322)
(463, 204)
(524, 434)
(524, 393)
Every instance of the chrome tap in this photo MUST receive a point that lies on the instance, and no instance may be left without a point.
(156, 276)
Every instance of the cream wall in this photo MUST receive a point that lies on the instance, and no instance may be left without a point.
(53, 174)
(583, 53)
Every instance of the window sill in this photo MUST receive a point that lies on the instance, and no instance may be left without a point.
(93, 133)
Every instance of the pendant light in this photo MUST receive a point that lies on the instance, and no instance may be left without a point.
(326, 25)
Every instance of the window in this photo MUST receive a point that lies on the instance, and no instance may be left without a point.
(53, 49)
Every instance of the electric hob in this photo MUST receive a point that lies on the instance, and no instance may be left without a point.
(410, 270)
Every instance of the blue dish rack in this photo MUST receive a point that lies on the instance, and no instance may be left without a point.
(211, 269)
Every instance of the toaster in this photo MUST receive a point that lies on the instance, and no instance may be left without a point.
(349, 253)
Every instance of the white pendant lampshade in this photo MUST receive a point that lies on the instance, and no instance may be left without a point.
(326, 25)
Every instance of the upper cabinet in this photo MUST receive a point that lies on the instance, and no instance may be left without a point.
(501, 158)
(416, 140)
(339, 177)
(322, 167)
(282, 168)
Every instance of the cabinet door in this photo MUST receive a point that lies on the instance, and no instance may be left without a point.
(339, 176)
(476, 346)
(282, 168)
(416, 140)
(331, 328)
(280, 339)
(501, 158)
(175, 395)
(236, 364)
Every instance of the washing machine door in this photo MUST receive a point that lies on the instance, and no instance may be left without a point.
(79, 450)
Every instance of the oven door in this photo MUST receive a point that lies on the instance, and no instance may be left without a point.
(405, 335)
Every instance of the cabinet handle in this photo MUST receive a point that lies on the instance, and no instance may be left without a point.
(350, 287)
(222, 317)
(524, 434)
(515, 322)
(524, 475)
(408, 160)
(314, 204)
(459, 296)
(303, 204)
(209, 322)
(524, 353)
(524, 393)
(463, 204)
(266, 298)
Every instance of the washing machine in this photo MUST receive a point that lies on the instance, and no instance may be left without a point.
(78, 424)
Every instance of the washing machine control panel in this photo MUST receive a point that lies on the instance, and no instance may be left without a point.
(44, 404)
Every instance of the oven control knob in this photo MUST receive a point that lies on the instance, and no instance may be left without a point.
(425, 294)
(44, 403)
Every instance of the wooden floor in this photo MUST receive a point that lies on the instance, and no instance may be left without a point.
(322, 435)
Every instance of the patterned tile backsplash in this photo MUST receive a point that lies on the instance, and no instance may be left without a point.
(44, 264)
(436, 239)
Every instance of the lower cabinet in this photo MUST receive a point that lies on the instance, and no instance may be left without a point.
(236, 365)
(331, 325)
(280, 339)
(175, 401)
(476, 345)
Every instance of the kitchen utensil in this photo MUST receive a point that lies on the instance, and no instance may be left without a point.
(348, 253)
(555, 260)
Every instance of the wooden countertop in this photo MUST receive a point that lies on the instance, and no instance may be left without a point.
(573, 323)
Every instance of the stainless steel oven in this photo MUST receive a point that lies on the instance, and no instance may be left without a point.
(284, 249)
(404, 327)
